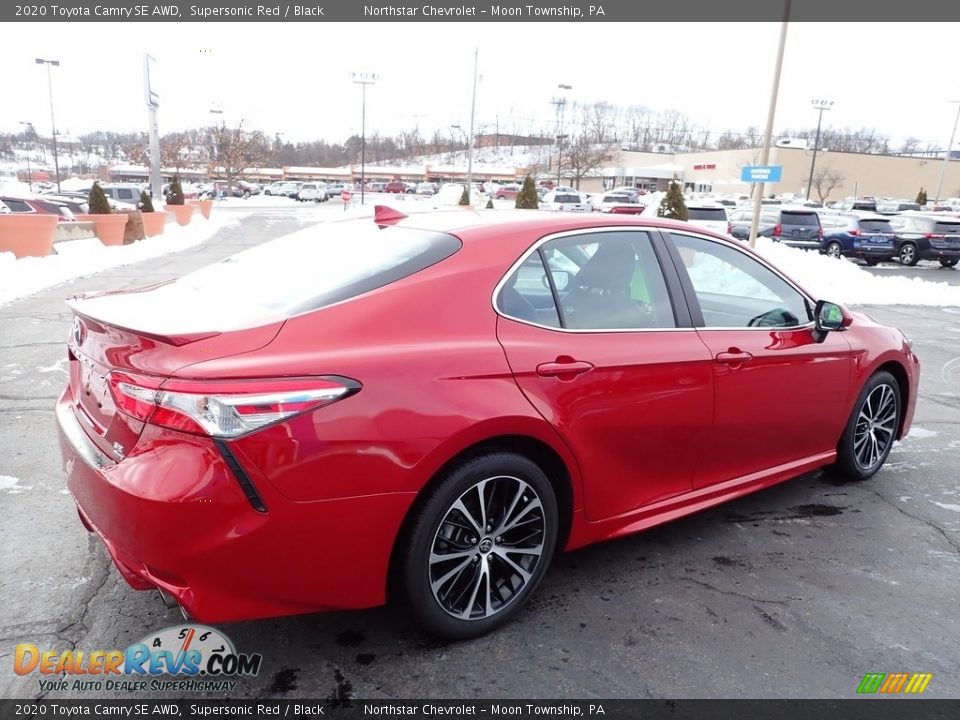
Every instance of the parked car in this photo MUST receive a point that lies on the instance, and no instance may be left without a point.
(397, 186)
(334, 189)
(426, 189)
(36, 205)
(274, 189)
(288, 189)
(493, 433)
(896, 206)
(922, 236)
(709, 215)
(4, 210)
(565, 201)
(795, 226)
(865, 204)
(376, 186)
(617, 203)
(741, 219)
(312, 191)
(78, 206)
(866, 236)
(507, 192)
(129, 194)
(633, 192)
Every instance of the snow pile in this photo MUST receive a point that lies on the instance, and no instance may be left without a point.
(846, 282)
(78, 258)
(259, 201)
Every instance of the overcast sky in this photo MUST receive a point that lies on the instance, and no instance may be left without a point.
(294, 78)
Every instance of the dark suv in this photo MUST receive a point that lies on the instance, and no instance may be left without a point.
(927, 237)
(796, 227)
(860, 235)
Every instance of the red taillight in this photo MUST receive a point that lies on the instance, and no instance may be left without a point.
(854, 232)
(934, 236)
(729, 228)
(224, 408)
(820, 233)
(776, 230)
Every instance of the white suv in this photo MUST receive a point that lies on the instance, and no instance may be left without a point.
(315, 191)
(712, 216)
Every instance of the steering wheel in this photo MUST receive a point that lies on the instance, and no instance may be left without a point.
(778, 317)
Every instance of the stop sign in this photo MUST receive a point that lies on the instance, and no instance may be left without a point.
(346, 195)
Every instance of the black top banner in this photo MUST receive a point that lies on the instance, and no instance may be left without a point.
(487, 11)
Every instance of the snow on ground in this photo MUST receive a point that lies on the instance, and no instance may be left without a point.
(847, 282)
(257, 201)
(77, 258)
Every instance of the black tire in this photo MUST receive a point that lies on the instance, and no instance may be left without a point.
(908, 254)
(944, 262)
(871, 262)
(834, 249)
(855, 459)
(437, 525)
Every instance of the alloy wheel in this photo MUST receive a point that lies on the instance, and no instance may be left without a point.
(487, 547)
(907, 253)
(833, 250)
(876, 424)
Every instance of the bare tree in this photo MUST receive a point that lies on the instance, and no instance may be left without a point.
(235, 149)
(583, 157)
(173, 148)
(910, 146)
(825, 180)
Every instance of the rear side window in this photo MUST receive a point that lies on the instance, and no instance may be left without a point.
(566, 199)
(17, 206)
(716, 214)
(314, 267)
(947, 228)
(795, 218)
(876, 226)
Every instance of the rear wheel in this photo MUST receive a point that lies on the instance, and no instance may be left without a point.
(834, 250)
(871, 429)
(479, 545)
(870, 261)
(908, 254)
(948, 263)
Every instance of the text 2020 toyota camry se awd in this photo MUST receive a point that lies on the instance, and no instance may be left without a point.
(428, 407)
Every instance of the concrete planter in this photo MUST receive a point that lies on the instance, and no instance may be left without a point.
(109, 227)
(153, 223)
(183, 213)
(27, 234)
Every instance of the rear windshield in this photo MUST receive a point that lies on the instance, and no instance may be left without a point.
(879, 226)
(796, 218)
(566, 199)
(707, 214)
(316, 267)
(947, 228)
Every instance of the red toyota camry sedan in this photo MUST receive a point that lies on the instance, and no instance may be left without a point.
(429, 407)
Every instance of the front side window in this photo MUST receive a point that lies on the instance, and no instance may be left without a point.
(736, 291)
(597, 281)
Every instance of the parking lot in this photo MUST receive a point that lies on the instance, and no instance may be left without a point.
(797, 591)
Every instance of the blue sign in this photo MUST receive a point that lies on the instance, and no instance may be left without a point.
(761, 173)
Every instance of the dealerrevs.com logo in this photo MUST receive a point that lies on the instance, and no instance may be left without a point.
(203, 655)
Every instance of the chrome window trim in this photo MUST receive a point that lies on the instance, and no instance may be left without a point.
(813, 303)
(572, 233)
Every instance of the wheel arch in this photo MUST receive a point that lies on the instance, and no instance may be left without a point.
(899, 373)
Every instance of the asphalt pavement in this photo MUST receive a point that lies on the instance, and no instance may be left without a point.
(797, 591)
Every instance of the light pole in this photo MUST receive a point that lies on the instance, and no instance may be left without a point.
(560, 103)
(946, 156)
(30, 134)
(820, 105)
(53, 122)
(363, 79)
(473, 110)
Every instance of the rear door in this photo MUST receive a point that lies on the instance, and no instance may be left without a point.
(603, 353)
(779, 395)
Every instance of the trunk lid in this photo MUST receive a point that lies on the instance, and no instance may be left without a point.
(121, 333)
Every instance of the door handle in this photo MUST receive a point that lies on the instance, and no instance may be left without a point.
(564, 366)
(733, 357)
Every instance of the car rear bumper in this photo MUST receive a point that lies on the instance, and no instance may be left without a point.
(173, 516)
(933, 253)
(813, 244)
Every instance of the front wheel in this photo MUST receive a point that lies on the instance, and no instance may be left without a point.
(948, 263)
(871, 429)
(479, 545)
(834, 250)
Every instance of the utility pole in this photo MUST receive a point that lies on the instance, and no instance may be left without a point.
(31, 133)
(473, 110)
(771, 112)
(946, 155)
(559, 104)
(820, 105)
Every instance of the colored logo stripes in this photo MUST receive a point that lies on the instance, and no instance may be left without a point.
(892, 683)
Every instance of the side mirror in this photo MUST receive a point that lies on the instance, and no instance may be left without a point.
(828, 317)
